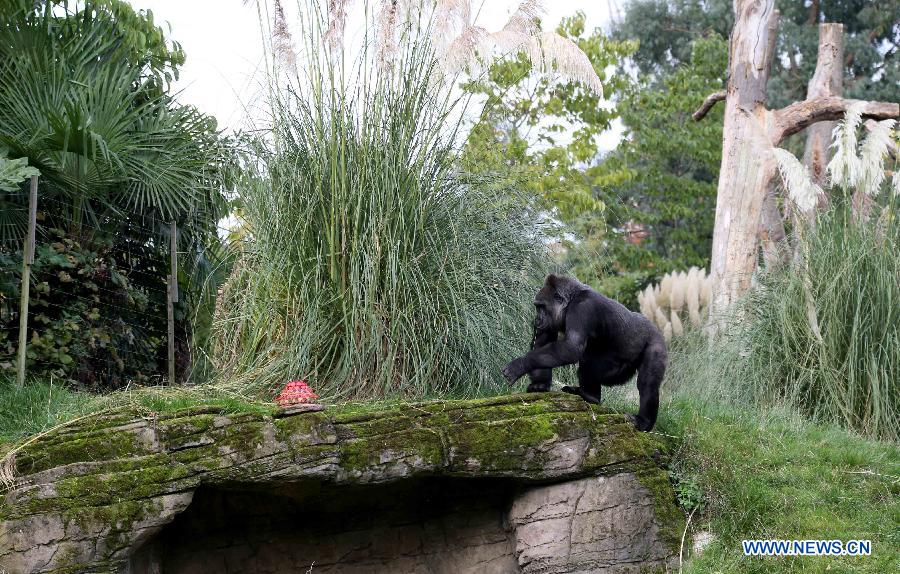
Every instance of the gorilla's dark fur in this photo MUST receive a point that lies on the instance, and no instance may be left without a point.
(609, 343)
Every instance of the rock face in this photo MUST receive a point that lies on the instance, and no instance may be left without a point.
(523, 483)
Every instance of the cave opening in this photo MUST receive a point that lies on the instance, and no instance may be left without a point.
(435, 525)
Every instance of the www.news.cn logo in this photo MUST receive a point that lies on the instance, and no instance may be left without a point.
(807, 547)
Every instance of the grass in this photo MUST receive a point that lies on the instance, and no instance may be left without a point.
(773, 475)
(843, 367)
(43, 404)
(375, 268)
(761, 469)
(38, 406)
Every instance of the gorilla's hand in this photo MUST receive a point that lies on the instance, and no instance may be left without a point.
(514, 370)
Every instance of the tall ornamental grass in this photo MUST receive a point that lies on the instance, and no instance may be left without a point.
(845, 366)
(822, 334)
(842, 369)
(373, 267)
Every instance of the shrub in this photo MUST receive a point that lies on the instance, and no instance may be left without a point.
(373, 266)
(89, 320)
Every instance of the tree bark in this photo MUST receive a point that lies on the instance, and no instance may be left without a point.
(750, 133)
(828, 80)
(747, 166)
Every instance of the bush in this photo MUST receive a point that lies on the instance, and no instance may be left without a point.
(88, 320)
(374, 267)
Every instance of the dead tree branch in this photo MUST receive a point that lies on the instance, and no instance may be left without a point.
(800, 115)
(707, 105)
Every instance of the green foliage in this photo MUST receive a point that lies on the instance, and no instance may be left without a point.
(87, 321)
(13, 171)
(687, 489)
(536, 132)
(660, 183)
(848, 372)
(764, 471)
(80, 109)
(143, 41)
(83, 88)
(374, 266)
(665, 30)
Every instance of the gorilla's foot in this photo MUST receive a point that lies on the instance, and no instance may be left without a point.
(582, 393)
(538, 387)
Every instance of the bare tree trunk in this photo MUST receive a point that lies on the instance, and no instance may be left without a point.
(750, 133)
(747, 166)
(828, 80)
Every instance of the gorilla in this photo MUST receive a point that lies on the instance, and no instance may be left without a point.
(575, 324)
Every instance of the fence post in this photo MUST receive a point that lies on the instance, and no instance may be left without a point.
(27, 260)
(172, 298)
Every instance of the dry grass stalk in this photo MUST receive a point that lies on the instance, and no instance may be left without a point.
(282, 41)
(800, 186)
(549, 52)
(337, 20)
(844, 168)
(872, 154)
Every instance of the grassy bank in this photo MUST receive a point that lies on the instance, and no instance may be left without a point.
(42, 404)
(773, 475)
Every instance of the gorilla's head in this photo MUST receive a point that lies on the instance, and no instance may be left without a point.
(550, 304)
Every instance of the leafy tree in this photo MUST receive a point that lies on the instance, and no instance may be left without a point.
(665, 30)
(660, 183)
(540, 133)
(83, 87)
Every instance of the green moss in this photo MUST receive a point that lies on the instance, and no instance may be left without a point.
(669, 516)
(491, 408)
(504, 444)
(81, 447)
(426, 445)
(616, 446)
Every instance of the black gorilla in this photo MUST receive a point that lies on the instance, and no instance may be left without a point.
(608, 342)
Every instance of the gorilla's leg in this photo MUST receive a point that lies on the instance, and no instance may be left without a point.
(650, 376)
(590, 376)
(541, 379)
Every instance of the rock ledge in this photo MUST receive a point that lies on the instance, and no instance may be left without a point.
(520, 483)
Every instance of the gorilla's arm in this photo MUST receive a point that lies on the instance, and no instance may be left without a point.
(553, 354)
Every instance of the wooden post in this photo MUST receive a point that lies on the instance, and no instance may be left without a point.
(172, 298)
(27, 260)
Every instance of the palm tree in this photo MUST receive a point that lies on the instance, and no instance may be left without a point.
(83, 98)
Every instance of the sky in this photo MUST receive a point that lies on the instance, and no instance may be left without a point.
(224, 72)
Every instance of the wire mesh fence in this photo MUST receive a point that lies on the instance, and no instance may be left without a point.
(110, 297)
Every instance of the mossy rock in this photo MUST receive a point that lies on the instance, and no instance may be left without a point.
(89, 494)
